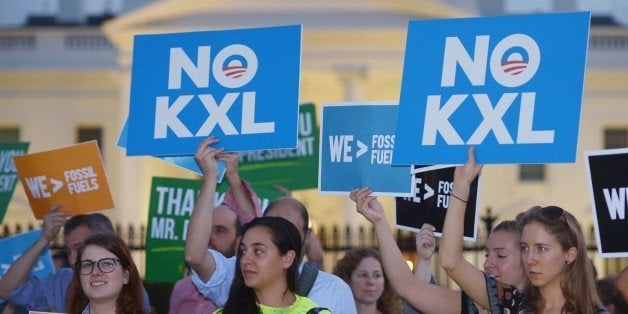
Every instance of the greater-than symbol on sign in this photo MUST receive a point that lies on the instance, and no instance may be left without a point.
(362, 148)
(57, 185)
(429, 192)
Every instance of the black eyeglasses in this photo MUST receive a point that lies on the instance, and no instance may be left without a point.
(106, 265)
(552, 212)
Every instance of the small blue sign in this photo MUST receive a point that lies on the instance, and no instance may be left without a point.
(357, 141)
(185, 162)
(12, 248)
(506, 85)
(241, 86)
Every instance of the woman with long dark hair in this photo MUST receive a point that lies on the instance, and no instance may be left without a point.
(266, 270)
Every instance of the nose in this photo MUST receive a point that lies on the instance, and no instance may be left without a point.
(96, 271)
(488, 264)
(245, 260)
(370, 280)
(528, 258)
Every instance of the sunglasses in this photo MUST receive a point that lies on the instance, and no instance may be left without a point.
(105, 265)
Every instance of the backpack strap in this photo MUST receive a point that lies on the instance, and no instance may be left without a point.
(306, 278)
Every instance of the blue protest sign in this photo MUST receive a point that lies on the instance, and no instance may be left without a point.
(357, 141)
(185, 162)
(12, 248)
(506, 85)
(241, 86)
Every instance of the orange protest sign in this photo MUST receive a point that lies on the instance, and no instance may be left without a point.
(72, 176)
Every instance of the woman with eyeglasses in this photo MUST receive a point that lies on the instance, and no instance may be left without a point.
(558, 275)
(361, 269)
(106, 279)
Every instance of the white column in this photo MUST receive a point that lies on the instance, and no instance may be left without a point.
(352, 77)
(128, 184)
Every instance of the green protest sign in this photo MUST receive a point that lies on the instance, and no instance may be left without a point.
(295, 169)
(8, 172)
(171, 204)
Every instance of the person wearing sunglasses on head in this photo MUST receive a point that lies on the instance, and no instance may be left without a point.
(558, 276)
(106, 279)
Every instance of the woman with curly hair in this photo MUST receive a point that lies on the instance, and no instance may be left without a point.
(106, 279)
(362, 269)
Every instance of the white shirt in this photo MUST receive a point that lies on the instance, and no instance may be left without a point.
(328, 290)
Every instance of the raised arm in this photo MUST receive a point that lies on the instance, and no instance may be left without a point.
(423, 296)
(18, 272)
(240, 197)
(425, 246)
(200, 225)
(465, 274)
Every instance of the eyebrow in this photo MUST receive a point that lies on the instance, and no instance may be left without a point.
(253, 244)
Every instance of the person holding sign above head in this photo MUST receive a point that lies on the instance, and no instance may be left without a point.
(558, 275)
(266, 270)
(106, 279)
(420, 295)
(240, 206)
(213, 273)
(503, 261)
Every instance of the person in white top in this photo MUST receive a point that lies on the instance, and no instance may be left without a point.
(212, 273)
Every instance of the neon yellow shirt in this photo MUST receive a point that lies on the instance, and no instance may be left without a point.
(300, 305)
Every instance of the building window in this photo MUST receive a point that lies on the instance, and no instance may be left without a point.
(9, 135)
(86, 134)
(615, 138)
(531, 172)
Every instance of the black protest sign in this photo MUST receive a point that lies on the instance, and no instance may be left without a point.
(430, 201)
(608, 186)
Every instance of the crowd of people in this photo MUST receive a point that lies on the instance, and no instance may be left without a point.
(243, 260)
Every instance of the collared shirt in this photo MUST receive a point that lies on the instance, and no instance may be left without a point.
(328, 290)
(49, 293)
(186, 299)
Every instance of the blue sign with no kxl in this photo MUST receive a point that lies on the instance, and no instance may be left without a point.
(511, 86)
(241, 86)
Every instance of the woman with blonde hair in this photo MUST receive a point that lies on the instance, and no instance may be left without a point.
(558, 274)
(554, 254)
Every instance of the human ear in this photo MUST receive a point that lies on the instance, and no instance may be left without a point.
(125, 280)
(570, 255)
(288, 259)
